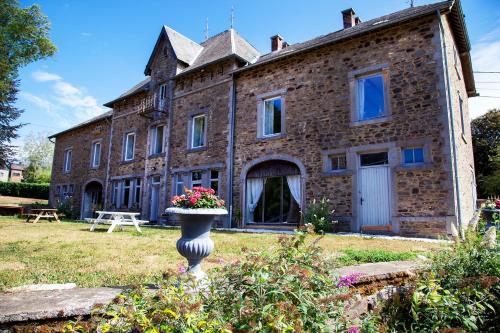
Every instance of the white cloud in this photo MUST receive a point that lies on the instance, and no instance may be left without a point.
(65, 103)
(85, 34)
(486, 58)
(42, 76)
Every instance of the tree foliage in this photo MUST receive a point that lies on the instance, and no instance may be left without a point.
(486, 144)
(37, 153)
(23, 39)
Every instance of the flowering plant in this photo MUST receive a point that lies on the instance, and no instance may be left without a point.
(198, 197)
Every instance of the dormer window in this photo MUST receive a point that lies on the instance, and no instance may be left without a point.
(162, 96)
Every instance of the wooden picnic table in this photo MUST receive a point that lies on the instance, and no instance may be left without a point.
(119, 219)
(43, 213)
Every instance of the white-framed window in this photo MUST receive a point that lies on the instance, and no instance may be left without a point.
(370, 97)
(157, 140)
(214, 180)
(129, 147)
(96, 154)
(179, 184)
(198, 131)
(196, 178)
(65, 190)
(162, 98)
(126, 193)
(115, 193)
(338, 162)
(413, 155)
(272, 117)
(127, 188)
(67, 160)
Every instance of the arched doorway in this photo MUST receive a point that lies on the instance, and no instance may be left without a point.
(92, 199)
(273, 193)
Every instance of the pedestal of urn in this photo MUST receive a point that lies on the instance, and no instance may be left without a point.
(195, 243)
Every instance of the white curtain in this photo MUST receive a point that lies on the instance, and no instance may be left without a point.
(294, 185)
(254, 191)
(361, 98)
(268, 117)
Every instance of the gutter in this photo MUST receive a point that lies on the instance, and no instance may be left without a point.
(230, 157)
(108, 164)
(452, 124)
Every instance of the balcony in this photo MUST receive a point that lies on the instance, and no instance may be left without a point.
(151, 105)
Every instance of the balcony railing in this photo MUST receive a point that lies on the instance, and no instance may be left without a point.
(151, 103)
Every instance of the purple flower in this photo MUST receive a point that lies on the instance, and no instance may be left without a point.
(220, 261)
(348, 280)
(182, 269)
(354, 329)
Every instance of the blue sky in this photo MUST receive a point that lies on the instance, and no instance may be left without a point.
(103, 46)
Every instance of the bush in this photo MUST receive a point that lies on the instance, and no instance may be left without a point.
(289, 290)
(25, 190)
(319, 214)
(67, 208)
(461, 292)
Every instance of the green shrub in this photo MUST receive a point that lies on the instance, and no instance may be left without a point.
(460, 292)
(25, 190)
(319, 214)
(288, 290)
(66, 207)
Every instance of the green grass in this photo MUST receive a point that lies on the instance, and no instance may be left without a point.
(68, 252)
(6, 200)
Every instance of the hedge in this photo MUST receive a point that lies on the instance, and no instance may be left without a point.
(25, 190)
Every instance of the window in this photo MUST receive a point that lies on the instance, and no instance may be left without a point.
(196, 178)
(461, 106)
(370, 94)
(162, 96)
(272, 117)
(71, 189)
(65, 190)
(128, 152)
(96, 154)
(157, 140)
(67, 160)
(179, 184)
(137, 192)
(115, 192)
(413, 155)
(373, 159)
(16, 174)
(126, 191)
(198, 131)
(58, 190)
(214, 180)
(338, 162)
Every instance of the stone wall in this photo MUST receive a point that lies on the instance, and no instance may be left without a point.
(80, 141)
(318, 97)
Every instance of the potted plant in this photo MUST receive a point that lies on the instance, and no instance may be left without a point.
(196, 210)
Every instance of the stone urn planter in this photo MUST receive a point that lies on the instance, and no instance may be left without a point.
(195, 243)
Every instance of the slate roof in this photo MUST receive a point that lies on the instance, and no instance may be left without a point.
(141, 86)
(104, 115)
(185, 49)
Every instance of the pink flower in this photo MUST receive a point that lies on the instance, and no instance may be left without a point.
(182, 269)
(354, 329)
(193, 200)
(348, 280)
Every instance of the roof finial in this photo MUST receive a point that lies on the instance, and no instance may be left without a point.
(206, 29)
(232, 17)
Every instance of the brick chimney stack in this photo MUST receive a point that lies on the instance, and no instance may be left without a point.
(277, 43)
(349, 18)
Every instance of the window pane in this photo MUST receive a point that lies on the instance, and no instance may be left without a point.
(159, 140)
(129, 149)
(272, 117)
(272, 193)
(371, 97)
(374, 159)
(419, 155)
(198, 131)
(196, 178)
(338, 162)
(408, 156)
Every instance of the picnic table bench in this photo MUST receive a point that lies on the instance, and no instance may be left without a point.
(115, 219)
(42, 213)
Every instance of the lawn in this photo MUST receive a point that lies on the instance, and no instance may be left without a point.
(6, 200)
(68, 252)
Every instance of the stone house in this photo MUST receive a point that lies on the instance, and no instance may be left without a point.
(373, 117)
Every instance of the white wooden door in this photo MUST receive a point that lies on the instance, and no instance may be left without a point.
(375, 196)
(155, 196)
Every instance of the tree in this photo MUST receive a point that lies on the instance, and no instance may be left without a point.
(37, 153)
(23, 39)
(486, 145)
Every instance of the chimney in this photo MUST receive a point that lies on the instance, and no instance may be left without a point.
(349, 18)
(357, 20)
(277, 43)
